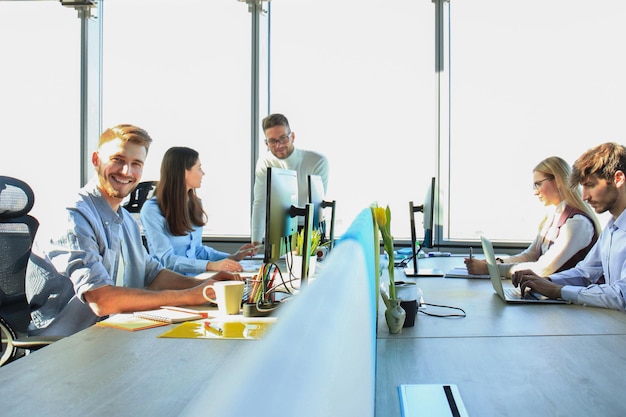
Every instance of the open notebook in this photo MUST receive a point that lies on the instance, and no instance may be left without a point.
(153, 318)
(461, 272)
(170, 315)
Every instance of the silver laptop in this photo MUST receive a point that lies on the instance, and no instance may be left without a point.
(509, 293)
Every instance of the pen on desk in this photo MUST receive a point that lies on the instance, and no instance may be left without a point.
(186, 310)
(212, 327)
(270, 284)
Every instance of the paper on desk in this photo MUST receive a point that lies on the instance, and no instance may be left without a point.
(461, 272)
(244, 328)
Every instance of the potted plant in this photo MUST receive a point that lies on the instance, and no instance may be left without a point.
(298, 243)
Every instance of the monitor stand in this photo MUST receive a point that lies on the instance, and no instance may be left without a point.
(416, 271)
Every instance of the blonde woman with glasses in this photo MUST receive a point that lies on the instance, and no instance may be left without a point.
(565, 235)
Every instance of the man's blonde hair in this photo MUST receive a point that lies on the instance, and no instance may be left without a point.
(127, 133)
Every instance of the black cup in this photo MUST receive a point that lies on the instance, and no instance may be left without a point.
(410, 307)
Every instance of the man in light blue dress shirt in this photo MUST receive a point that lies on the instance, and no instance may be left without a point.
(598, 280)
(95, 264)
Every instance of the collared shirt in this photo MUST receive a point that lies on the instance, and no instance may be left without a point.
(83, 255)
(607, 258)
(183, 254)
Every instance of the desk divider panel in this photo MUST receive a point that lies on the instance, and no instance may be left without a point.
(319, 358)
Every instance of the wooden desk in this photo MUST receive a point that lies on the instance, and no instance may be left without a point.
(507, 360)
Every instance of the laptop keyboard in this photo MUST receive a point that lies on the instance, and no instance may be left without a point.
(516, 293)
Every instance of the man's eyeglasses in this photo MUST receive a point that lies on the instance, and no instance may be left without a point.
(537, 185)
(282, 140)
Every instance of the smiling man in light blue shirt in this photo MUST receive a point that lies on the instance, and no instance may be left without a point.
(599, 280)
(95, 264)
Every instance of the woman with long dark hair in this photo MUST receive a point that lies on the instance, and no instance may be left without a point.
(173, 219)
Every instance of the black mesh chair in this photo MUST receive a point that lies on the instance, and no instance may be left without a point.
(17, 231)
(138, 196)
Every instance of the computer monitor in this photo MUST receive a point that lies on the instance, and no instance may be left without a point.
(317, 198)
(429, 215)
(281, 217)
(307, 213)
(428, 209)
(281, 195)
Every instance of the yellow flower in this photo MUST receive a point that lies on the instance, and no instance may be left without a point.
(382, 217)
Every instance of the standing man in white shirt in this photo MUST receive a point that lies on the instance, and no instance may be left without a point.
(600, 279)
(280, 139)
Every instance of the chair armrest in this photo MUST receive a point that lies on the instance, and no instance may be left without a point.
(35, 342)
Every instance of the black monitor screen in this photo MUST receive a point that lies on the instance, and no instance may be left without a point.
(429, 215)
(429, 219)
(282, 194)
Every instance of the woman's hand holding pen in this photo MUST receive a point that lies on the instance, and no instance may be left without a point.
(249, 249)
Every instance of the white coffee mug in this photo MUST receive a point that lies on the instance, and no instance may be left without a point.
(228, 295)
(407, 291)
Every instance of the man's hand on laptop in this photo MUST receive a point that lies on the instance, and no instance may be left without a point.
(528, 279)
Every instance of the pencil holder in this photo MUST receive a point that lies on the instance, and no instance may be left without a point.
(261, 309)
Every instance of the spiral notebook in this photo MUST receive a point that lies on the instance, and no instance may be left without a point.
(129, 322)
(169, 316)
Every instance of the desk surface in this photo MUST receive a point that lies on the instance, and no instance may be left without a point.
(507, 360)
(306, 357)
(568, 358)
(487, 315)
(509, 376)
(96, 372)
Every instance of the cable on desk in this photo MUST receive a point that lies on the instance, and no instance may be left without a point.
(405, 262)
(462, 314)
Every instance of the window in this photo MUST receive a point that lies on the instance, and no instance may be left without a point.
(358, 85)
(181, 70)
(521, 83)
(527, 81)
(39, 103)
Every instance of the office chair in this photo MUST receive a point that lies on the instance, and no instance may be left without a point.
(138, 196)
(17, 231)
